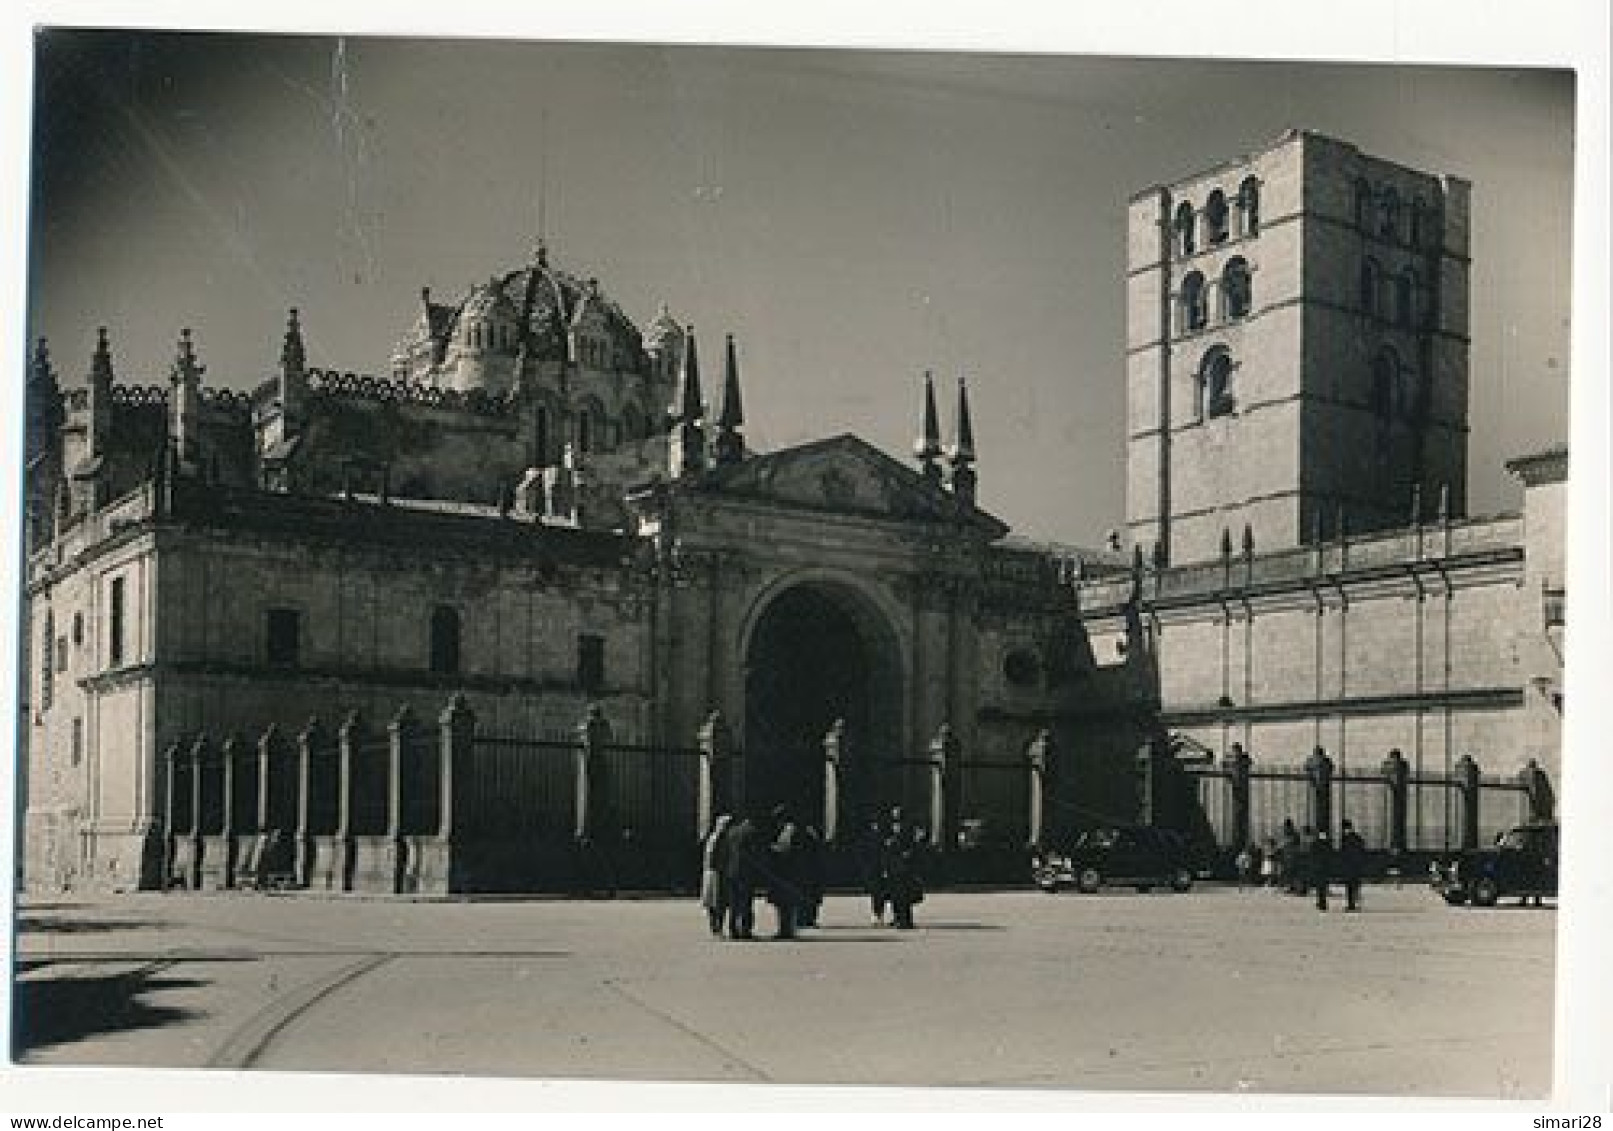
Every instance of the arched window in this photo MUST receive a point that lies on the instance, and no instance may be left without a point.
(1249, 207)
(585, 431)
(1363, 204)
(1184, 229)
(1389, 214)
(1371, 285)
(1215, 218)
(1237, 289)
(1385, 381)
(1194, 307)
(1215, 383)
(444, 656)
(1419, 221)
(1405, 297)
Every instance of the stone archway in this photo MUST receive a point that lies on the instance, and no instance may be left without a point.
(819, 651)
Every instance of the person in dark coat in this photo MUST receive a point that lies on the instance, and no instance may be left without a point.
(1352, 863)
(872, 853)
(899, 871)
(811, 876)
(1290, 850)
(744, 861)
(784, 866)
(1320, 870)
(1303, 868)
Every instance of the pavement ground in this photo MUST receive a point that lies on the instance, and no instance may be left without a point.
(1218, 989)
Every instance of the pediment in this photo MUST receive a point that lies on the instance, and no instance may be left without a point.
(846, 475)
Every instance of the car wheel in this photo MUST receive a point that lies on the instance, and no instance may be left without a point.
(1088, 880)
(1455, 898)
(1051, 887)
(1181, 880)
(1485, 892)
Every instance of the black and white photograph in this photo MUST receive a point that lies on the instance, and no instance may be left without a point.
(796, 565)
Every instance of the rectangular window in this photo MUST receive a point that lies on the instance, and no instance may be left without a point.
(78, 741)
(47, 669)
(115, 628)
(590, 662)
(61, 653)
(283, 637)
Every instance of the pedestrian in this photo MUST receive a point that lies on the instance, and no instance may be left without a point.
(1302, 869)
(1291, 849)
(784, 872)
(811, 872)
(1352, 863)
(900, 870)
(871, 853)
(1270, 865)
(1320, 866)
(1244, 864)
(743, 864)
(713, 873)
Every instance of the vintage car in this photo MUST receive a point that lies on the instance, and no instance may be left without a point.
(1521, 862)
(1138, 856)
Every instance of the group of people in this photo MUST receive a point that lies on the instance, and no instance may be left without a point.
(782, 859)
(1305, 861)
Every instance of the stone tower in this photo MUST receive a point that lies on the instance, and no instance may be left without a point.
(1297, 350)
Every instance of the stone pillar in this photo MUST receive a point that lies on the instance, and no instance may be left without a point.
(399, 733)
(1238, 774)
(1467, 789)
(348, 738)
(306, 849)
(170, 833)
(716, 743)
(1540, 801)
(456, 730)
(834, 751)
(1397, 783)
(1319, 772)
(197, 757)
(943, 753)
(235, 756)
(593, 733)
(1038, 758)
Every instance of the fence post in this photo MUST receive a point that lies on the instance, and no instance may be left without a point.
(1538, 793)
(399, 732)
(348, 737)
(716, 742)
(1467, 786)
(232, 754)
(1038, 757)
(834, 751)
(592, 734)
(456, 730)
(171, 839)
(1397, 778)
(198, 755)
(1238, 775)
(1319, 772)
(306, 741)
(943, 751)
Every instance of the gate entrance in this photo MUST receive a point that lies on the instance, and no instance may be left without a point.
(820, 652)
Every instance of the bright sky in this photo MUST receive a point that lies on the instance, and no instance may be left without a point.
(854, 218)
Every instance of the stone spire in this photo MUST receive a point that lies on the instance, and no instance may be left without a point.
(293, 371)
(100, 395)
(185, 405)
(44, 402)
(687, 451)
(729, 443)
(961, 454)
(927, 448)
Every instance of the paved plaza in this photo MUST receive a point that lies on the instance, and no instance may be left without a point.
(1219, 990)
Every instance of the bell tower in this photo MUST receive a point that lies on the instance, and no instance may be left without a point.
(1297, 350)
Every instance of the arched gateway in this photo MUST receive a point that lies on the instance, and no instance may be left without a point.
(819, 651)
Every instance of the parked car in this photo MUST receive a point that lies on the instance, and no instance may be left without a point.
(1139, 856)
(1521, 862)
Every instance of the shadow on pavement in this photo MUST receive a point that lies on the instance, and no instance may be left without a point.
(31, 921)
(56, 1011)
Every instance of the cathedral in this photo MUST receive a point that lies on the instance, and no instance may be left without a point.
(544, 518)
